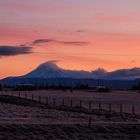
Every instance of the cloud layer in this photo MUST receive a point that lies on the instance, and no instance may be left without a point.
(14, 50)
(46, 41)
(10, 50)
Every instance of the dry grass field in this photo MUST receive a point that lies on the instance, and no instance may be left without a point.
(25, 119)
(115, 98)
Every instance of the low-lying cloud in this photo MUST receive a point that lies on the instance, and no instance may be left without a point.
(48, 41)
(41, 41)
(76, 43)
(15, 50)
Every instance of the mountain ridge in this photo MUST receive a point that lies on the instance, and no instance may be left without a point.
(49, 73)
(51, 70)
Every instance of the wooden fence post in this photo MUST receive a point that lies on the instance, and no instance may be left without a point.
(63, 102)
(47, 100)
(71, 103)
(32, 97)
(12, 93)
(90, 121)
(121, 108)
(54, 102)
(110, 107)
(25, 95)
(100, 106)
(19, 94)
(133, 109)
(80, 104)
(39, 99)
(90, 105)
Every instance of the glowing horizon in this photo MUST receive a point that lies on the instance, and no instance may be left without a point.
(82, 35)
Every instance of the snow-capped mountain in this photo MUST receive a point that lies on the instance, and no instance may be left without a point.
(50, 69)
(51, 74)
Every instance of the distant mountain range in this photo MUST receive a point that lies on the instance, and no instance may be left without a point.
(50, 73)
(51, 70)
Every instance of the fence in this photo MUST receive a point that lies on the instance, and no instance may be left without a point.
(53, 102)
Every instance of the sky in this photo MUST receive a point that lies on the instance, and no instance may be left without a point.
(79, 34)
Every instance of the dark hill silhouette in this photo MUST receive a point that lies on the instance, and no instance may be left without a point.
(50, 73)
(51, 70)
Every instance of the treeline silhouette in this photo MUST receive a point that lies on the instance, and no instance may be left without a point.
(28, 87)
(0, 87)
(136, 87)
(35, 87)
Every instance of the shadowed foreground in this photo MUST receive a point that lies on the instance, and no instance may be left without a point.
(23, 119)
(70, 132)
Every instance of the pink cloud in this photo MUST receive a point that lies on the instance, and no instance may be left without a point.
(105, 19)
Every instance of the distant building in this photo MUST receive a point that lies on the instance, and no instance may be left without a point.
(102, 89)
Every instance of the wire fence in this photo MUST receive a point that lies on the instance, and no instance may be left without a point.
(54, 102)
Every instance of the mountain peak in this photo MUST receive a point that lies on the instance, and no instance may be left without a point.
(50, 69)
(50, 65)
(99, 71)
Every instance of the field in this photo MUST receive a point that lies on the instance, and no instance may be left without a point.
(116, 98)
(32, 118)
